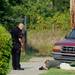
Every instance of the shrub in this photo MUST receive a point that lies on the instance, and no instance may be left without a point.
(61, 21)
(4, 50)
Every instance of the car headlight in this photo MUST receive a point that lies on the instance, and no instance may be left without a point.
(57, 48)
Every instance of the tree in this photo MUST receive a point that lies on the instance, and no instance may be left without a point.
(38, 11)
(61, 5)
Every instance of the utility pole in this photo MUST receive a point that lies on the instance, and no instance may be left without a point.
(72, 12)
(25, 34)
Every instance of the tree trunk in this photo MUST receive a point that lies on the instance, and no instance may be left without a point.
(72, 12)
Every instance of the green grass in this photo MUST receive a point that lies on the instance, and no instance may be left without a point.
(24, 57)
(54, 71)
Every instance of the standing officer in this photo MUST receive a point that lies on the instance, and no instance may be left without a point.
(17, 43)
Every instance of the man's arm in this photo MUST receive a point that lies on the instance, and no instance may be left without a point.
(21, 42)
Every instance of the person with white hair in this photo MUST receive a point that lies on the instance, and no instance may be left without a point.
(17, 43)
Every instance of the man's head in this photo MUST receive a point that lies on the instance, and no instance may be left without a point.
(20, 26)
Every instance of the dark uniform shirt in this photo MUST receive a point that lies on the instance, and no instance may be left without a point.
(16, 34)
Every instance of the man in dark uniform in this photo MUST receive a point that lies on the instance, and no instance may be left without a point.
(17, 35)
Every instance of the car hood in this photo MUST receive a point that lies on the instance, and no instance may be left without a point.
(66, 42)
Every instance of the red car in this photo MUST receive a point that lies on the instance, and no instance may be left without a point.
(64, 50)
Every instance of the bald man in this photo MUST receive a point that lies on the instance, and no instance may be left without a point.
(17, 35)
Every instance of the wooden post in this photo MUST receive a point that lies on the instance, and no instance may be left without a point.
(25, 34)
(72, 12)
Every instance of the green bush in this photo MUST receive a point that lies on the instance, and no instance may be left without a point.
(4, 50)
(61, 21)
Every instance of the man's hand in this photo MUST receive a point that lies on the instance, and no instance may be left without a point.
(20, 40)
(22, 45)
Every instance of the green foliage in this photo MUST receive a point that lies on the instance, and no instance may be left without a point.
(5, 9)
(42, 36)
(37, 10)
(54, 71)
(61, 5)
(43, 15)
(15, 2)
(4, 50)
(61, 21)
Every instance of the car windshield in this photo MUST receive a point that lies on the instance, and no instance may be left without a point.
(71, 35)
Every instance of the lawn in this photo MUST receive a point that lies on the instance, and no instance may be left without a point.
(54, 71)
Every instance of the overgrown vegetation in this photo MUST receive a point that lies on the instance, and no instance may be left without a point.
(47, 22)
(38, 12)
(4, 50)
(44, 18)
(43, 37)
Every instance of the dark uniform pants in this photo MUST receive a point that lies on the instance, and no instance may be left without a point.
(16, 52)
